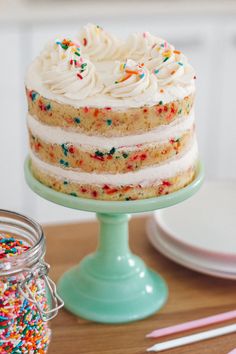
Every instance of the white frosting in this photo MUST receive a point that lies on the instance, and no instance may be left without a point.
(34, 82)
(146, 176)
(174, 72)
(64, 72)
(167, 73)
(161, 134)
(161, 53)
(98, 44)
(133, 82)
(138, 45)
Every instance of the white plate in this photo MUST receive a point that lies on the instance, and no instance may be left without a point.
(207, 221)
(184, 258)
(200, 233)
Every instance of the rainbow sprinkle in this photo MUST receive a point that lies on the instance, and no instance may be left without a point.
(21, 327)
(33, 95)
(77, 120)
(127, 72)
(109, 122)
(66, 43)
(75, 48)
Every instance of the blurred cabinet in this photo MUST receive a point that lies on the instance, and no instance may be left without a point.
(211, 47)
(11, 176)
(227, 106)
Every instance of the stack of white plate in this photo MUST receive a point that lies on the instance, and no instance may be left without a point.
(200, 233)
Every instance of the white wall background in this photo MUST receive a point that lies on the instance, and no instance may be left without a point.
(208, 39)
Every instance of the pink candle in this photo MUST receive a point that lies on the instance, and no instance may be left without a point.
(193, 324)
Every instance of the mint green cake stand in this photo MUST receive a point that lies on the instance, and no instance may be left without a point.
(112, 285)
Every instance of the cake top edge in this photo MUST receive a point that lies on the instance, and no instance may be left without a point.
(98, 69)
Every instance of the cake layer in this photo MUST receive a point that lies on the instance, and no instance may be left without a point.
(60, 135)
(58, 146)
(107, 121)
(113, 161)
(111, 192)
(147, 175)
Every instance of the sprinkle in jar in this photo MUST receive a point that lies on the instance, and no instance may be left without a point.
(28, 298)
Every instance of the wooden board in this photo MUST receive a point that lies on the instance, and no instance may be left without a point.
(192, 296)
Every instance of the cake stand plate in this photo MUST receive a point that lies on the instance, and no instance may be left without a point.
(112, 285)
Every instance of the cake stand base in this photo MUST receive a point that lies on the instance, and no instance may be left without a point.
(112, 285)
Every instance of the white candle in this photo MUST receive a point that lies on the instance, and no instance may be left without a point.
(192, 338)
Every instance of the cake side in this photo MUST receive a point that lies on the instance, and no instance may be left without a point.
(101, 154)
(144, 183)
(115, 193)
(111, 119)
(107, 121)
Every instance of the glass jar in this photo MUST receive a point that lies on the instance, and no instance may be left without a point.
(28, 297)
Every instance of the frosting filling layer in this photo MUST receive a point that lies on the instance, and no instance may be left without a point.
(57, 135)
(147, 176)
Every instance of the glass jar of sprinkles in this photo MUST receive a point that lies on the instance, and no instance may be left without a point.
(28, 298)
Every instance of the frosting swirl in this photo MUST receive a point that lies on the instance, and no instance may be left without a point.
(138, 45)
(99, 45)
(100, 70)
(133, 81)
(66, 73)
(159, 53)
(170, 66)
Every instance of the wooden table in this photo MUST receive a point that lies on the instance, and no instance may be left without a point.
(192, 296)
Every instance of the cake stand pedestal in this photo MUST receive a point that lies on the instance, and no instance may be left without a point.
(112, 285)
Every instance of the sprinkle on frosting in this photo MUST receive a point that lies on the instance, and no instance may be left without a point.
(66, 72)
(133, 80)
(98, 69)
(170, 66)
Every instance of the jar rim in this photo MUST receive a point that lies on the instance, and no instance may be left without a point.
(30, 256)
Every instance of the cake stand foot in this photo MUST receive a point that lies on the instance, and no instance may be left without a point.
(112, 285)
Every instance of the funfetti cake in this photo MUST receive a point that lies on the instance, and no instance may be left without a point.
(111, 119)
